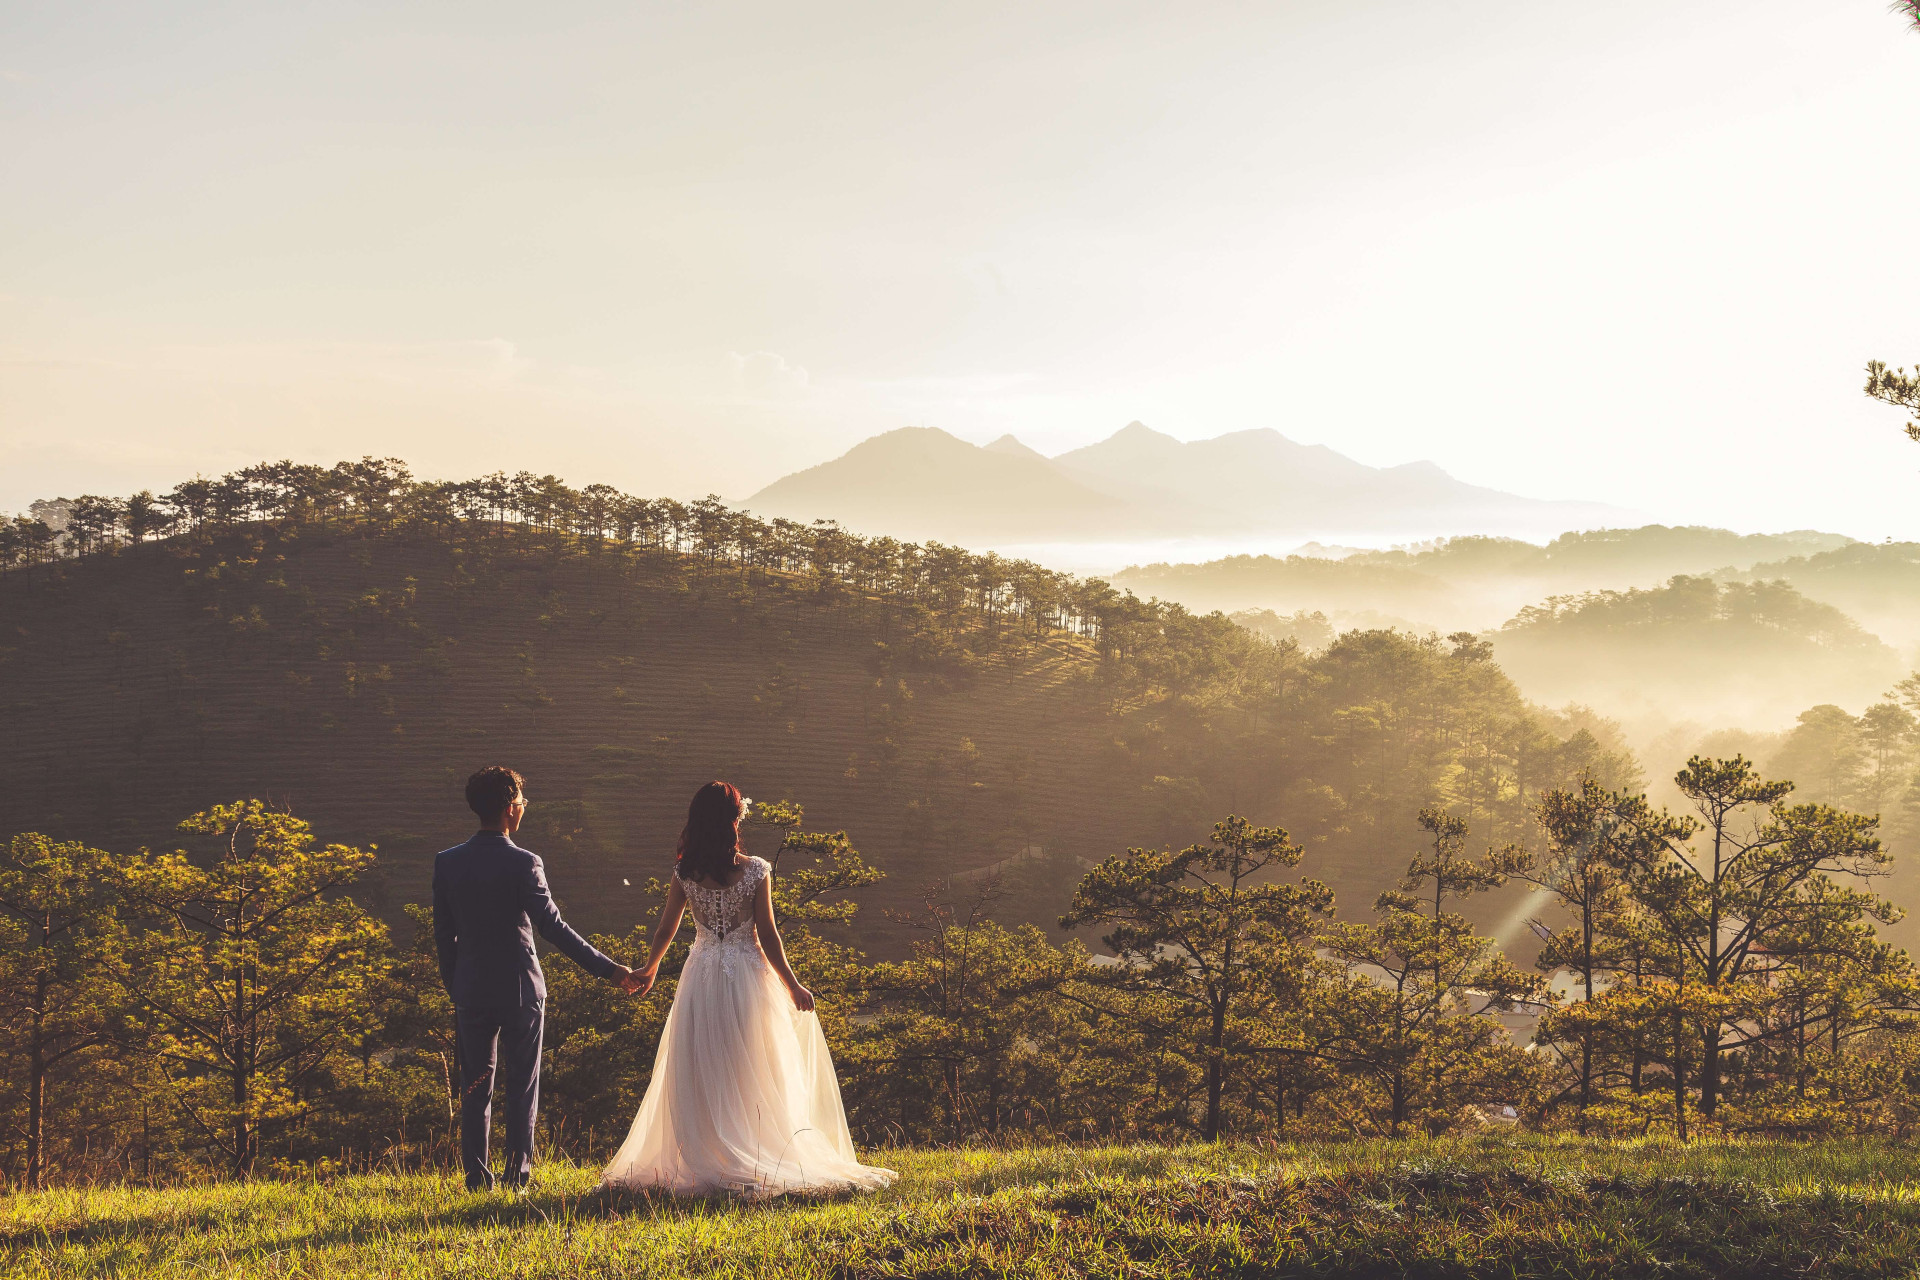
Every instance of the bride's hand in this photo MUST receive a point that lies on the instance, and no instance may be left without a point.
(802, 998)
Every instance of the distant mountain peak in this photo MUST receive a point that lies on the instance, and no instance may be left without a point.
(1010, 445)
(922, 482)
(1138, 432)
(902, 435)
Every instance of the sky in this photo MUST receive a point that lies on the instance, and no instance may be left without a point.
(1636, 252)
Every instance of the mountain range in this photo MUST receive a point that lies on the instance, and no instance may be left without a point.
(921, 482)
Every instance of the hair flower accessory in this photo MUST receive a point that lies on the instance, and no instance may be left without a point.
(746, 807)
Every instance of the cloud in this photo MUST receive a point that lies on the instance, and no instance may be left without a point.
(766, 373)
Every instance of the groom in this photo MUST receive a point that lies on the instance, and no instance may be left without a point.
(489, 895)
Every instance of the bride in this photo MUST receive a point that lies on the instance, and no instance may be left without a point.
(743, 1097)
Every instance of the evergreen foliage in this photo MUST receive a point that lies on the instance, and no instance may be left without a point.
(1726, 975)
(1206, 943)
(253, 970)
(1896, 386)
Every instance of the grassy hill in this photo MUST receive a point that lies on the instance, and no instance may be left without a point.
(1475, 1207)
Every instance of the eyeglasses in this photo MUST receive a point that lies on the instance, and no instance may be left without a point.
(521, 803)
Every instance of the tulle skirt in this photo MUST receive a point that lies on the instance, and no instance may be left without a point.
(743, 1098)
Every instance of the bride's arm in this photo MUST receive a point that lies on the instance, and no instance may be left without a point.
(775, 949)
(663, 935)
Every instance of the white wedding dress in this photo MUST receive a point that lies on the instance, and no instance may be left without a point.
(743, 1097)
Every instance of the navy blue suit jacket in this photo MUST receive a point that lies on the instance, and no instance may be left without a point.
(489, 895)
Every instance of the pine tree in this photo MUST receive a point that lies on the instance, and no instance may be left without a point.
(968, 1032)
(255, 968)
(59, 933)
(1747, 871)
(1201, 931)
(1407, 1013)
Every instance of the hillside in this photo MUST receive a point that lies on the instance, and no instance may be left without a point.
(1739, 653)
(950, 712)
(134, 702)
(1877, 583)
(1478, 582)
(920, 482)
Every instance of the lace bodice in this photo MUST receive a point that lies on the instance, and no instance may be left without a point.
(723, 917)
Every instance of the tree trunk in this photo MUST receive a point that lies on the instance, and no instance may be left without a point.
(1586, 1031)
(950, 1073)
(244, 1050)
(1586, 1077)
(242, 1127)
(1709, 1069)
(1679, 1079)
(1213, 1096)
(37, 1089)
(1216, 1068)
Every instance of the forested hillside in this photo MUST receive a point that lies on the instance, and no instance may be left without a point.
(1735, 653)
(1877, 583)
(1470, 582)
(1629, 621)
(352, 643)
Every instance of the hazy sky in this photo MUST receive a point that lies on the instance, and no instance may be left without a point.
(1635, 251)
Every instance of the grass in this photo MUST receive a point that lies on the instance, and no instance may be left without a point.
(1509, 1207)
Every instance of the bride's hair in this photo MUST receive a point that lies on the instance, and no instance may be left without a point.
(712, 835)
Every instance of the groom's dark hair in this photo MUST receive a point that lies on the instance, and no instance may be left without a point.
(491, 790)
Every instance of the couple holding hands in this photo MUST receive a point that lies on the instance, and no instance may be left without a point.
(743, 1097)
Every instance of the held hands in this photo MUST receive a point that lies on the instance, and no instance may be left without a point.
(635, 981)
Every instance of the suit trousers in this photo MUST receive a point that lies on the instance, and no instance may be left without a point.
(512, 1036)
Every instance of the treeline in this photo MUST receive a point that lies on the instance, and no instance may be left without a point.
(1877, 583)
(380, 495)
(1652, 551)
(1869, 762)
(1730, 652)
(228, 1007)
(1692, 603)
(1474, 580)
